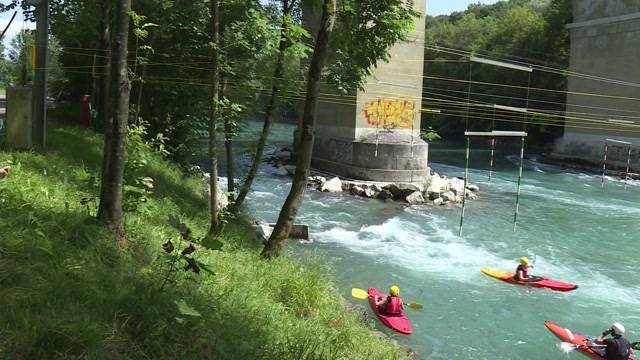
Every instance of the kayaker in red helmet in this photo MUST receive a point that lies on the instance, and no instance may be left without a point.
(392, 304)
(617, 347)
(522, 271)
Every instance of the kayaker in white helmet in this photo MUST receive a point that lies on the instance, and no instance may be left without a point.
(617, 347)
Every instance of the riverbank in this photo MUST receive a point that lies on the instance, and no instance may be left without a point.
(68, 290)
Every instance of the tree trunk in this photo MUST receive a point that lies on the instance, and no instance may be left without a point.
(103, 66)
(228, 144)
(103, 104)
(268, 114)
(303, 161)
(110, 212)
(214, 10)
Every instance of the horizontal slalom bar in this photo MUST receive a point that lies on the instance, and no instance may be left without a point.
(618, 141)
(621, 121)
(501, 64)
(496, 133)
(510, 108)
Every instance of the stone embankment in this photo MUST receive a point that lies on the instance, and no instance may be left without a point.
(438, 191)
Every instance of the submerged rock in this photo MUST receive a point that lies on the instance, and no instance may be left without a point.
(356, 190)
(385, 194)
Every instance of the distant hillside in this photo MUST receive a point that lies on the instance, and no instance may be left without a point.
(526, 31)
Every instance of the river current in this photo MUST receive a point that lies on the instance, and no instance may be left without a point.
(576, 230)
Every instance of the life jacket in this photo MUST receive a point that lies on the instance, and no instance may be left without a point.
(524, 269)
(393, 305)
(617, 349)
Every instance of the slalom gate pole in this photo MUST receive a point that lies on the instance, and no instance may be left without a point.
(464, 190)
(493, 152)
(604, 162)
(515, 215)
(626, 173)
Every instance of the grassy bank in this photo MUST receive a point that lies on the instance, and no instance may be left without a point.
(67, 290)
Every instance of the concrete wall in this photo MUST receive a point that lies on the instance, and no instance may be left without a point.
(19, 121)
(393, 95)
(584, 10)
(605, 42)
(384, 116)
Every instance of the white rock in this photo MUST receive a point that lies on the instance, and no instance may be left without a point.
(439, 201)
(369, 193)
(448, 196)
(416, 198)
(264, 231)
(438, 184)
(457, 186)
(333, 185)
(282, 171)
(408, 189)
(223, 200)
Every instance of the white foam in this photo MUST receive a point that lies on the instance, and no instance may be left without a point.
(436, 250)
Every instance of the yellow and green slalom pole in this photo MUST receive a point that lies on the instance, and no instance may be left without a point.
(515, 215)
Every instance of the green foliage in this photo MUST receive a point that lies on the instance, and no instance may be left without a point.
(429, 135)
(140, 151)
(18, 70)
(532, 31)
(70, 291)
(19, 53)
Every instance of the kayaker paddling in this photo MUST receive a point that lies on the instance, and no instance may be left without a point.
(392, 304)
(522, 271)
(617, 347)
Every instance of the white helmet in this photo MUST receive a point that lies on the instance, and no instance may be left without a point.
(617, 329)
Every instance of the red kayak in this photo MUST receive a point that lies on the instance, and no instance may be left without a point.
(399, 323)
(583, 342)
(534, 281)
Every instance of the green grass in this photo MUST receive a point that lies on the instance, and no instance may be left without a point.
(68, 290)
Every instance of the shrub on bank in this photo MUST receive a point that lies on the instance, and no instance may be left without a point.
(67, 290)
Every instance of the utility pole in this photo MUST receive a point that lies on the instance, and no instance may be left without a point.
(39, 97)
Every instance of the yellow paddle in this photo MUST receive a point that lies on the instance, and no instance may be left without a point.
(361, 294)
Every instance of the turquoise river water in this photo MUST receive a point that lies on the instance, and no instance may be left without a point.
(577, 231)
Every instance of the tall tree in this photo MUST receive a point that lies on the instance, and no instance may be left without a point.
(364, 32)
(287, 8)
(294, 199)
(103, 101)
(110, 210)
(216, 224)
